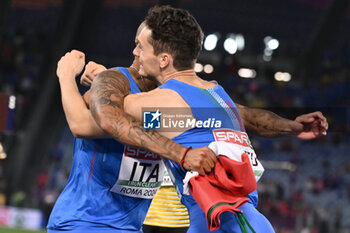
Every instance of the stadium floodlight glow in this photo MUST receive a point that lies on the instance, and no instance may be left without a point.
(208, 69)
(271, 43)
(268, 52)
(240, 42)
(283, 76)
(287, 77)
(210, 42)
(3, 155)
(198, 67)
(230, 45)
(278, 76)
(2, 152)
(267, 58)
(246, 73)
(12, 102)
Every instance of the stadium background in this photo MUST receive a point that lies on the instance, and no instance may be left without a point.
(306, 185)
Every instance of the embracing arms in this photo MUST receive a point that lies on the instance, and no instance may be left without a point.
(107, 106)
(266, 123)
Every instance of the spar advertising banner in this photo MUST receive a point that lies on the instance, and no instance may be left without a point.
(30, 219)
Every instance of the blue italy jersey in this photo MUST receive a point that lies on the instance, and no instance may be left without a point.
(210, 105)
(110, 188)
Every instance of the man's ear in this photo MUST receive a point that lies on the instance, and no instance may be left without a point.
(164, 60)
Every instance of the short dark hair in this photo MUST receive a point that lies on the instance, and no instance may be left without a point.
(177, 32)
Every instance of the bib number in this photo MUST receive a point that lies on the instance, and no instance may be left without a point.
(242, 141)
(141, 173)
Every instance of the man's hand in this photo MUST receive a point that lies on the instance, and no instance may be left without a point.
(310, 126)
(71, 64)
(200, 159)
(92, 69)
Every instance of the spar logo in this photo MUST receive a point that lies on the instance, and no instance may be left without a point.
(231, 136)
(138, 153)
(151, 120)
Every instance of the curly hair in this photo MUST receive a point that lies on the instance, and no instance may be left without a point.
(177, 32)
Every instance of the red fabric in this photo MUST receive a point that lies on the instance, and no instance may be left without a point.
(225, 189)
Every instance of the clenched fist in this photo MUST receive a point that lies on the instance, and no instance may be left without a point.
(92, 69)
(71, 64)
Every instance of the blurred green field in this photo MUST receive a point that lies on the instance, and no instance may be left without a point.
(14, 230)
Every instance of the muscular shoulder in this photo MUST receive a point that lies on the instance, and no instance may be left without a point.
(113, 81)
(155, 98)
(134, 103)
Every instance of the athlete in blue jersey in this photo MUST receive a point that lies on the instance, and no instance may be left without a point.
(92, 199)
(215, 105)
(167, 48)
(98, 195)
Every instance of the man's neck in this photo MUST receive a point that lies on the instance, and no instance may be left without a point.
(183, 75)
(186, 76)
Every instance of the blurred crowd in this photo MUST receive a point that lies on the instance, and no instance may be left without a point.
(22, 51)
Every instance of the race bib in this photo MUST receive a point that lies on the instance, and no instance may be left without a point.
(141, 173)
(241, 141)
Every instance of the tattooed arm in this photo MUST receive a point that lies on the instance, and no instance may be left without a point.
(269, 124)
(107, 106)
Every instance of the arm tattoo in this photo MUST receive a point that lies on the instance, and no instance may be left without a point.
(264, 122)
(107, 107)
